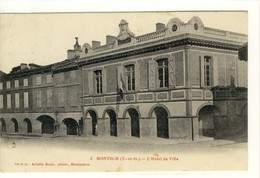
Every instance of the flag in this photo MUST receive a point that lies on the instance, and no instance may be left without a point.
(121, 87)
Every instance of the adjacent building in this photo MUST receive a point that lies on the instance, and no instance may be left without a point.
(184, 81)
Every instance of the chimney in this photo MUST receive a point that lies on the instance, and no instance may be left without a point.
(111, 39)
(23, 66)
(77, 46)
(160, 26)
(96, 44)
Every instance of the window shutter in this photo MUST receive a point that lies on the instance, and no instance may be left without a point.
(151, 72)
(137, 76)
(172, 75)
(104, 81)
(201, 71)
(90, 82)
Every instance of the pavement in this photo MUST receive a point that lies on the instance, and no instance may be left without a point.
(19, 153)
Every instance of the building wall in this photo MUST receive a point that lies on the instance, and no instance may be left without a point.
(68, 89)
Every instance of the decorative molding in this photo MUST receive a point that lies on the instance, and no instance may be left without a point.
(176, 95)
(161, 96)
(145, 97)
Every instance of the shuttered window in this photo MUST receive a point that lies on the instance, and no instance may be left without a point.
(163, 73)
(98, 77)
(130, 77)
(25, 99)
(17, 100)
(39, 99)
(9, 101)
(1, 102)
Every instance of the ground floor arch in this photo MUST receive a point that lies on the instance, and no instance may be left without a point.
(113, 121)
(28, 125)
(94, 121)
(72, 126)
(14, 125)
(135, 125)
(2, 125)
(47, 124)
(207, 116)
(162, 123)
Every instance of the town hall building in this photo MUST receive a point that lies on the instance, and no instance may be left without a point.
(184, 81)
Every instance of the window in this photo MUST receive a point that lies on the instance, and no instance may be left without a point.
(38, 80)
(48, 78)
(17, 100)
(8, 100)
(1, 86)
(207, 71)
(98, 74)
(49, 98)
(25, 100)
(8, 84)
(163, 75)
(16, 83)
(130, 77)
(39, 99)
(1, 102)
(25, 82)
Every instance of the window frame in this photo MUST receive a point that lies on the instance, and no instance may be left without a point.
(1, 101)
(207, 71)
(26, 99)
(16, 83)
(165, 73)
(9, 101)
(17, 100)
(26, 79)
(130, 74)
(98, 82)
(8, 84)
(38, 80)
(49, 78)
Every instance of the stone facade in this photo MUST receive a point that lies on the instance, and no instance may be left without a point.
(161, 84)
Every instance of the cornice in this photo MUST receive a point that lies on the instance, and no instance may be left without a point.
(162, 46)
(128, 51)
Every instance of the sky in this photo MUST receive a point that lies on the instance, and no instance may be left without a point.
(45, 38)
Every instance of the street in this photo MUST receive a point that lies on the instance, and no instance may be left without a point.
(114, 154)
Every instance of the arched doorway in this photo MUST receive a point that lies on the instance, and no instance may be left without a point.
(2, 125)
(94, 121)
(161, 115)
(113, 122)
(135, 127)
(207, 122)
(72, 126)
(14, 125)
(28, 125)
(47, 124)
